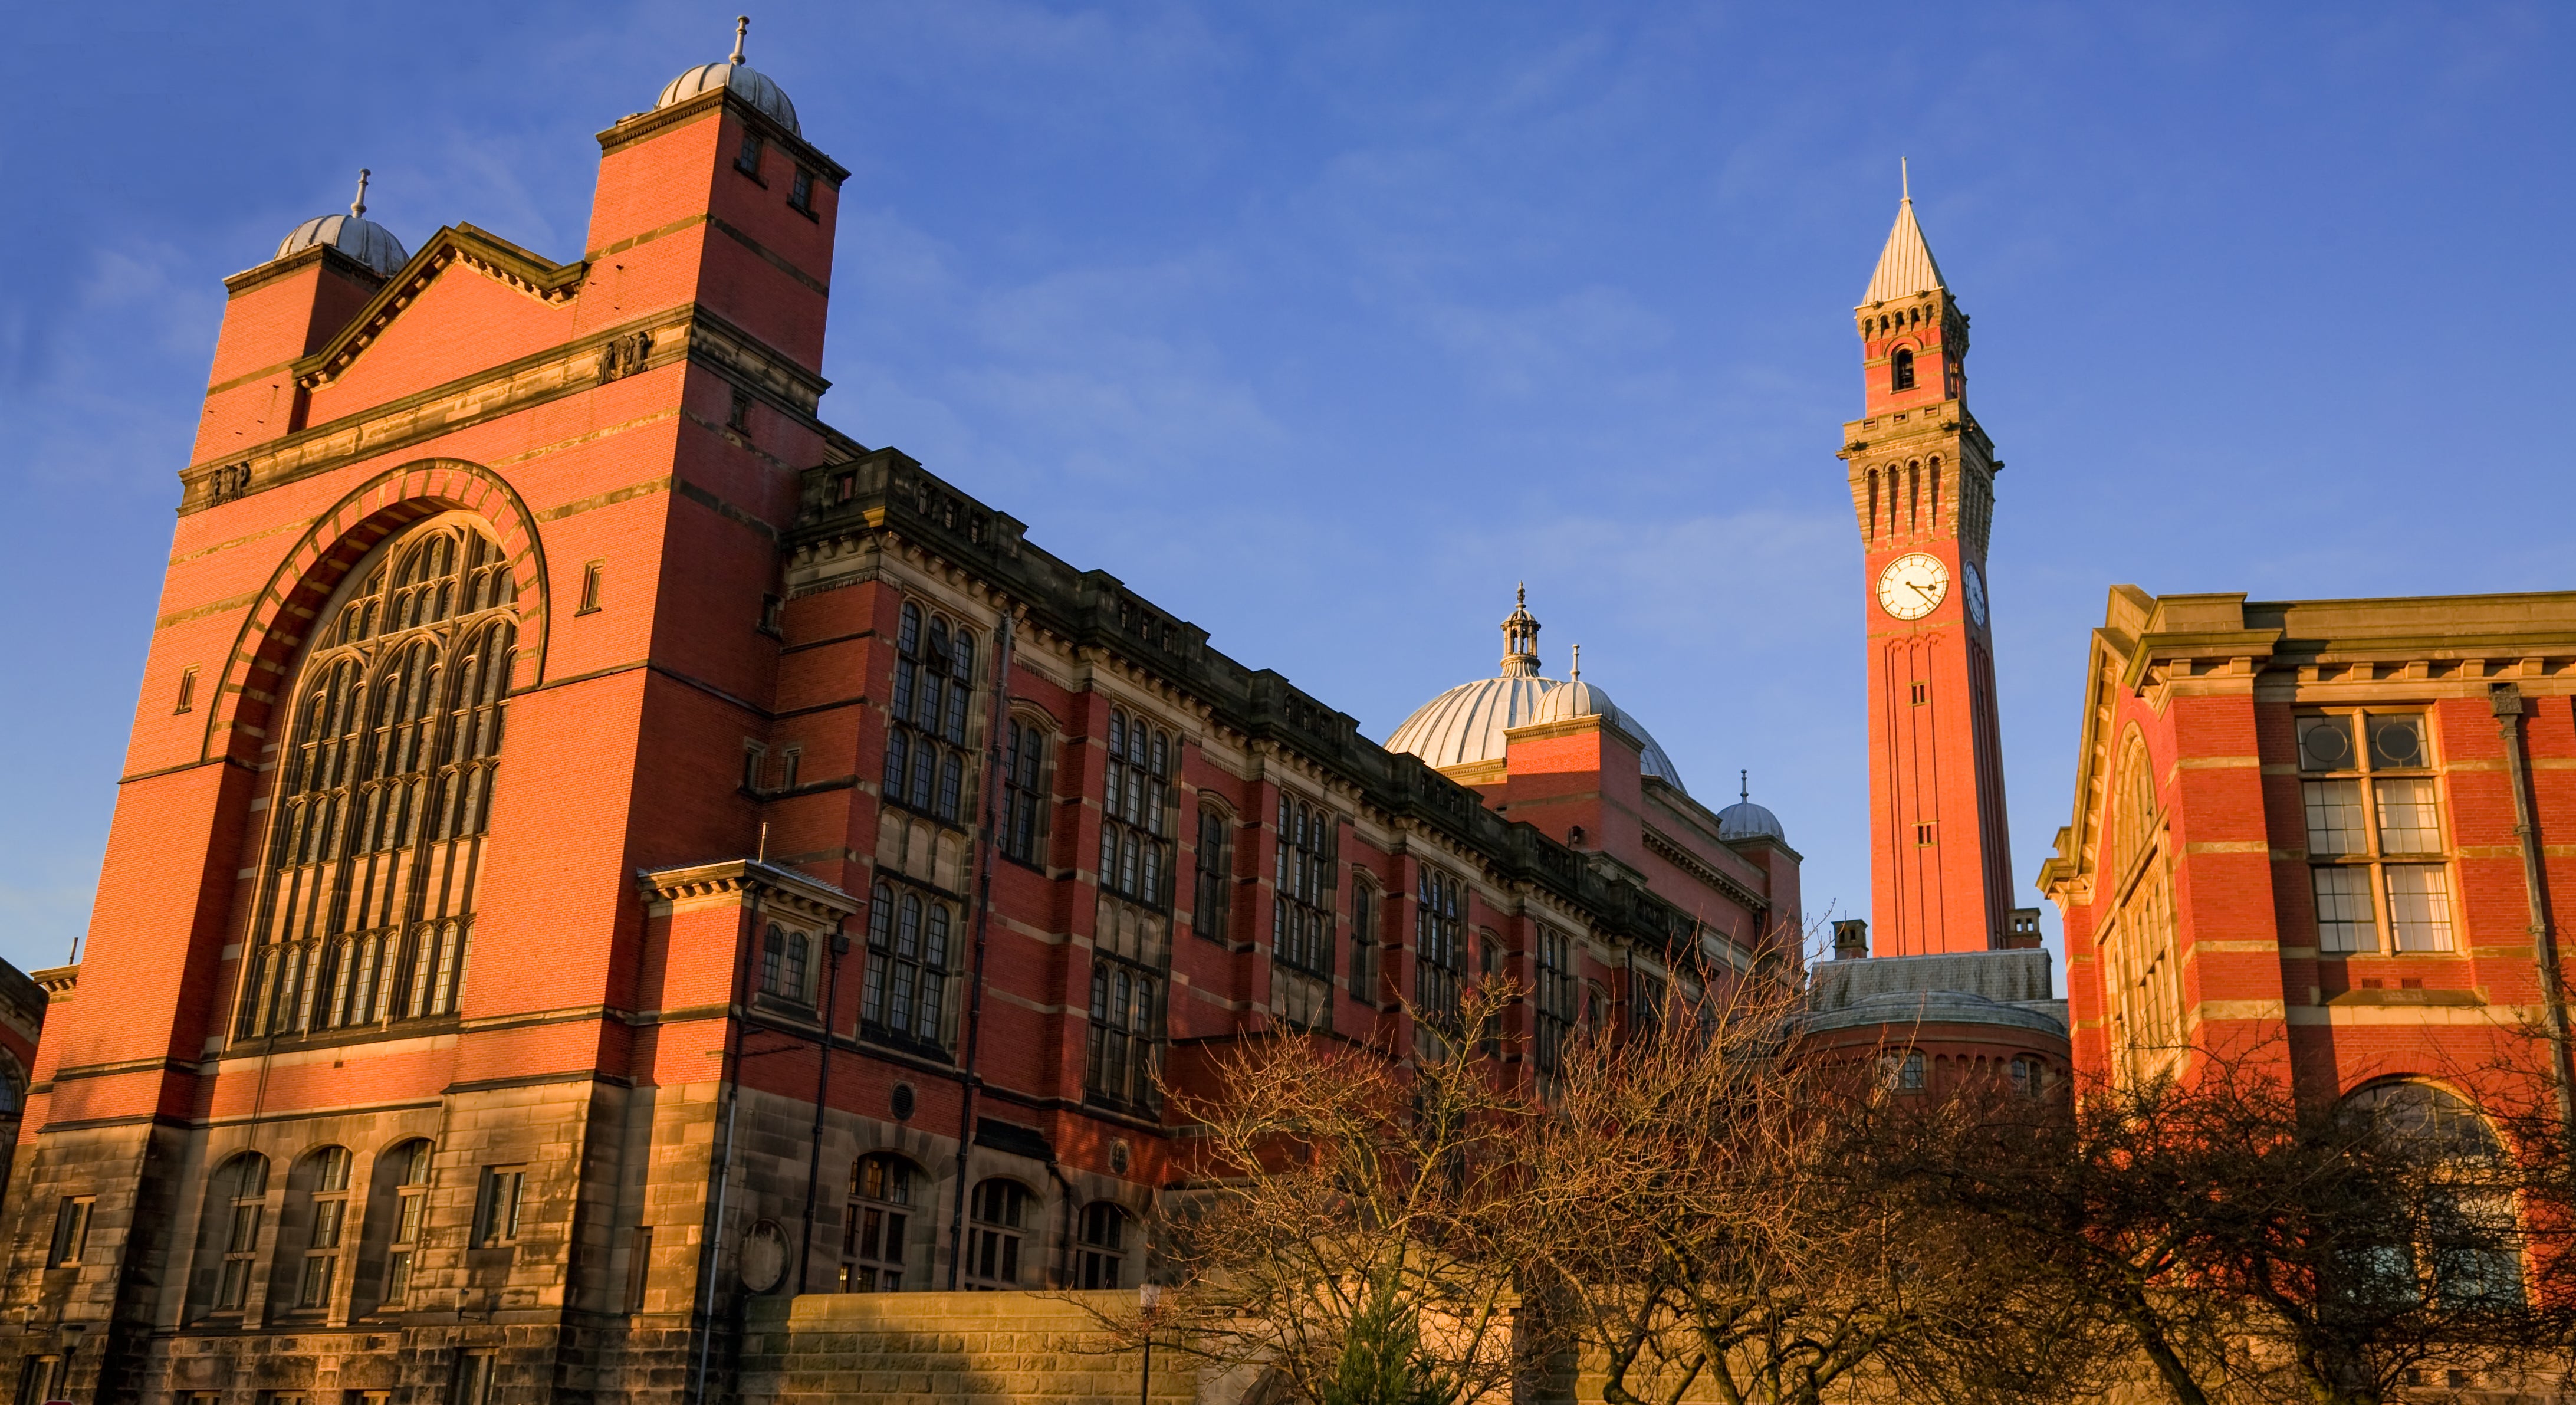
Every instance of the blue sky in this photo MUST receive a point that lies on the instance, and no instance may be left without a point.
(1322, 326)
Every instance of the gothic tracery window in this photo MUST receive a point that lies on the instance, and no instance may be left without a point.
(925, 757)
(1302, 897)
(1135, 836)
(1439, 947)
(904, 997)
(384, 791)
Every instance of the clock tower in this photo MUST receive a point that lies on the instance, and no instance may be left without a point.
(1922, 485)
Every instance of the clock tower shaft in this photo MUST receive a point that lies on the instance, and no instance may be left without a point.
(1922, 472)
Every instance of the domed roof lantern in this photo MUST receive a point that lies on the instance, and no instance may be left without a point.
(1520, 639)
(353, 234)
(1465, 725)
(749, 83)
(1745, 820)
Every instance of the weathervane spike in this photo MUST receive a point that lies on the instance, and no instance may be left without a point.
(1744, 779)
(741, 27)
(1904, 181)
(1578, 663)
(358, 206)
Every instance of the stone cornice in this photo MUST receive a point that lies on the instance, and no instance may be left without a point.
(1664, 847)
(853, 509)
(687, 332)
(338, 262)
(777, 888)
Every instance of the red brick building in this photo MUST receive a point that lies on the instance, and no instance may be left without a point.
(599, 844)
(2332, 833)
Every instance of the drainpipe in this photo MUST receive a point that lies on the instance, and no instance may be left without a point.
(2507, 701)
(711, 1246)
(822, 1085)
(966, 1080)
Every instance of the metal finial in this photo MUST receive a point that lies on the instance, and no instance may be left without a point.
(741, 27)
(1578, 663)
(358, 206)
(1745, 780)
(1904, 181)
(1521, 596)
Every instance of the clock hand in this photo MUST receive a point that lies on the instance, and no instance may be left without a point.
(1919, 590)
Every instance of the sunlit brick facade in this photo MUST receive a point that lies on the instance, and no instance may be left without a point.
(2332, 835)
(598, 845)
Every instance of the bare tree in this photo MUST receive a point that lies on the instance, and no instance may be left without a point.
(1351, 1230)
(2242, 1244)
(1718, 1218)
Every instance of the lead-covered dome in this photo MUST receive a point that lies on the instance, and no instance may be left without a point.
(353, 234)
(1465, 724)
(748, 83)
(1745, 820)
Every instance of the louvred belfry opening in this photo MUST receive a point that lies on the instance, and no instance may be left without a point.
(383, 791)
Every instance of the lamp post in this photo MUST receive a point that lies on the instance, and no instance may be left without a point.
(1147, 1295)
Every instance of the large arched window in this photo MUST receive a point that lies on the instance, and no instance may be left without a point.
(2135, 808)
(1900, 370)
(2466, 1238)
(384, 790)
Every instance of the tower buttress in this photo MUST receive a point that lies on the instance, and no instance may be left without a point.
(1921, 473)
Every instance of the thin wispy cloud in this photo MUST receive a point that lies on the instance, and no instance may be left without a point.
(1322, 327)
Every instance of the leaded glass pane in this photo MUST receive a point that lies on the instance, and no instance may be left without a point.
(2419, 906)
(2335, 824)
(2344, 920)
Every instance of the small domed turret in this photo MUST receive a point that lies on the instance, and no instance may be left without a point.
(750, 83)
(1745, 820)
(353, 234)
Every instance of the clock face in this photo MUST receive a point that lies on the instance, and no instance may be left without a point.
(1972, 586)
(1913, 585)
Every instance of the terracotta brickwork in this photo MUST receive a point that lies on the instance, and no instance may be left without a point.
(600, 848)
(1921, 472)
(2295, 837)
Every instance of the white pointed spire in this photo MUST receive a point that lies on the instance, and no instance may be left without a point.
(1905, 266)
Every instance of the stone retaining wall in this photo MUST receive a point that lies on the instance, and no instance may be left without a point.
(948, 1348)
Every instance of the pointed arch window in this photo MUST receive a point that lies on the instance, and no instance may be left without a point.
(934, 672)
(383, 791)
(904, 997)
(1024, 796)
(1301, 933)
(1136, 809)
